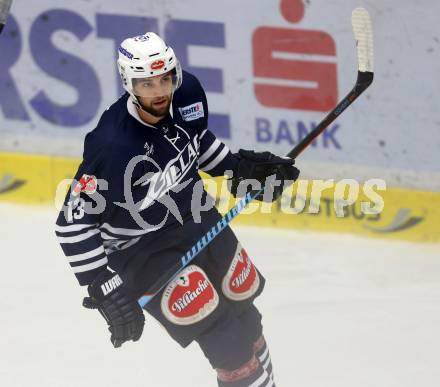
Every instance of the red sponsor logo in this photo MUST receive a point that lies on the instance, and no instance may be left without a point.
(189, 298)
(87, 184)
(292, 56)
(242, 280)
(157, 64)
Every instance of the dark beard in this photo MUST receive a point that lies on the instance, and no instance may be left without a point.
(158, 113)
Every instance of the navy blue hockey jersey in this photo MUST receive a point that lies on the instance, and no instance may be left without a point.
(137, 178)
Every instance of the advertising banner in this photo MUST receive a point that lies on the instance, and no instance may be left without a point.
(271, 70)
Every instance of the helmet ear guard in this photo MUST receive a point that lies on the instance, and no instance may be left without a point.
(146, 56)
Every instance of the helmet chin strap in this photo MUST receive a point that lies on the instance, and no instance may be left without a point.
(138, 104)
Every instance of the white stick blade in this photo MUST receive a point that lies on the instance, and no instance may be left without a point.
(363, 33)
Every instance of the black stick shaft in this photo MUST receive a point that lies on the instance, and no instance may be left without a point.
(364, 80)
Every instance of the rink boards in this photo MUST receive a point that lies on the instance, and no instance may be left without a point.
(406, 214)
(271, 71)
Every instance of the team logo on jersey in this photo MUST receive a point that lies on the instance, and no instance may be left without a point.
(157, 64)
(159, 181)
(192, 112)
(189, 298)
(171, 176)
(149, 149)
(87, 184)
(242, 280)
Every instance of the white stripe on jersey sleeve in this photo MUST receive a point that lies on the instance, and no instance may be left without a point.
(203, 133)
(90, 266)
(87, 255)
(123, 231)
(106, 236)
(78, 238)
(217, 160)
(209, 152)
(73, 227)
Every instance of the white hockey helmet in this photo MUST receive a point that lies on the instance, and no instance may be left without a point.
(147, 56)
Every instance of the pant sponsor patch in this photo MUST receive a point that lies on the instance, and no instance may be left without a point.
(242, 280)
(189, 298)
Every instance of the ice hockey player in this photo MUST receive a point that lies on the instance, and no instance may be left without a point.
(130, 215)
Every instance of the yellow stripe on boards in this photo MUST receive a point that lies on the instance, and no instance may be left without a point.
(407, 214)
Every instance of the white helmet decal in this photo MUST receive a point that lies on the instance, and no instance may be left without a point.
(146, 56)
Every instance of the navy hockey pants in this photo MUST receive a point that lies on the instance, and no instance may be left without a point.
(210, 301)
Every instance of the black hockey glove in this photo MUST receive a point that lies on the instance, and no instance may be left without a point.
(259, 166)
(118, 306)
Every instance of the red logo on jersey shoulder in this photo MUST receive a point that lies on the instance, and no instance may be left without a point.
(189, 298)
(242, 280)
(87, 184)
(157, 64)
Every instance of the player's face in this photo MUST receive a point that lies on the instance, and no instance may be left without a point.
(154, 94)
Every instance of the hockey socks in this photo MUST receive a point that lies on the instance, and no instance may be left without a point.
(257, 372)
(250, 374)
(262, 353)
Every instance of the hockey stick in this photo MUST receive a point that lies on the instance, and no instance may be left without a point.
(5, 6)
(363, 34)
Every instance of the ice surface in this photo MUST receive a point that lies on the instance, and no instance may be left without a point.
(339, 311)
